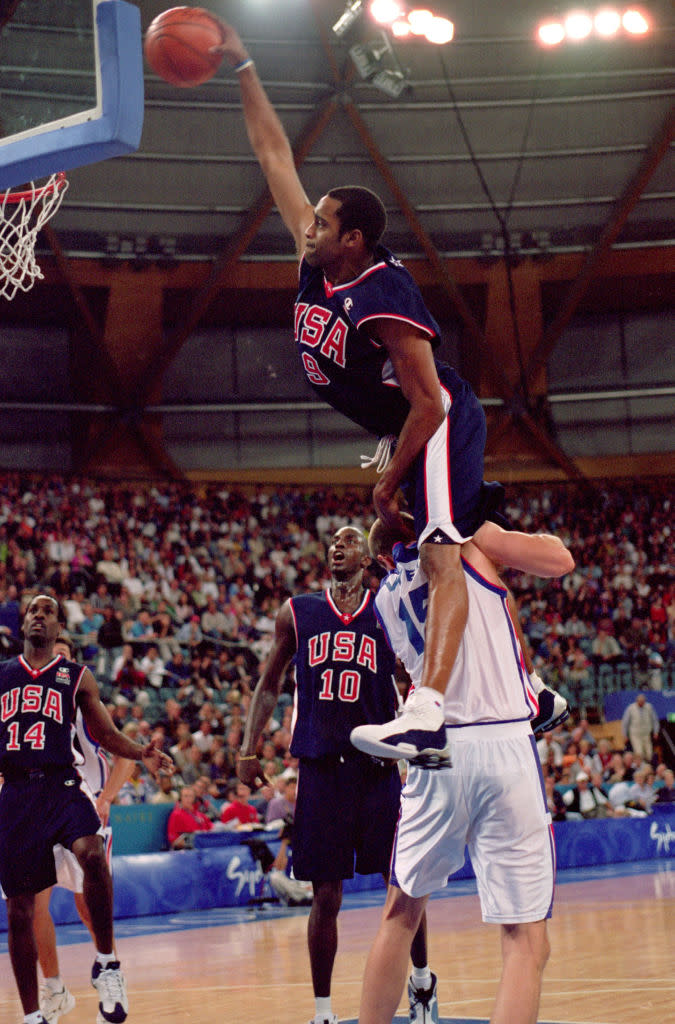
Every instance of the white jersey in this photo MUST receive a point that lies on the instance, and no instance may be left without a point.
(90, 760)
(489, 681)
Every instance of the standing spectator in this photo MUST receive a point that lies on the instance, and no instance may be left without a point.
(640, 725)
(110, 641)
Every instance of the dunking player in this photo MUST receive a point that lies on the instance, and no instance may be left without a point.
(347, 804)
(491, 799)
(104, 783)
(366, 343)
(44, 801)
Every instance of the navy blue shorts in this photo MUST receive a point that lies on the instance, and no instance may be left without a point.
(443, 487)
(36, 813)
(345, 817)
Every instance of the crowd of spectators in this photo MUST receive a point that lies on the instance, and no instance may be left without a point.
(171, 592)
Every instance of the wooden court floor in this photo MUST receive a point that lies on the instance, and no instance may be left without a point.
(612, 939)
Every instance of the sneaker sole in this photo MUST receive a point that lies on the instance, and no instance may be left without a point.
(408, 751)
(551, 724)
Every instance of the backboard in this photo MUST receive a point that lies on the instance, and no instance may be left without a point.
(71, 91)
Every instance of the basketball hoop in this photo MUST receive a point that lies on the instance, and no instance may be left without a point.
(22, 215)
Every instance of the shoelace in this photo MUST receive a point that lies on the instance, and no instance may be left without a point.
(114, 985)
(382, 455)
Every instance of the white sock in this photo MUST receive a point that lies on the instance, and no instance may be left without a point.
(538, 683)
(55, 983)
(421, 977)
(426, 693)
(105, 958)
(33, 1018)
(322, 1005)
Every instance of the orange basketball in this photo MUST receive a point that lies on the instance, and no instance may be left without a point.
(177, 45)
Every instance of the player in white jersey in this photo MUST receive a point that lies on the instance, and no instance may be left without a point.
(104, 783)
(492, 797)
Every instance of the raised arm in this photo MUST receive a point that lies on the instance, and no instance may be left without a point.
(269, 140)
(266, 694)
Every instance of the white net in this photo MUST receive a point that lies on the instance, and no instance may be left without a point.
(22, 215)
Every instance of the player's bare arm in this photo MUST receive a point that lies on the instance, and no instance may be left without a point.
(106, 733)
(542, 554)
(412, 358)
(119, 773)
(269, 141)
(266, 694)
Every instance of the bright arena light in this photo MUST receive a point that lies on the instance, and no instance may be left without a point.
(440, 31)
(386, 12)
(400, 29)
(635, 22)
(420, 21)
(578, 25)
(551, 33)
(607, 22)
(603, 23)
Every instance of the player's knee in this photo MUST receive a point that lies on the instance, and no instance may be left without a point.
(327, 899)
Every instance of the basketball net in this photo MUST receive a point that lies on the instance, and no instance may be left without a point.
(22, 215)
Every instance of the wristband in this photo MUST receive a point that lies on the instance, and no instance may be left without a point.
(248, 63)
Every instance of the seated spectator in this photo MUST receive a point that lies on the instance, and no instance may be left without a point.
(587, 800)
(214, 622)
(185, 820)
(202, 801)
(128, 679)
(138, 789)
(605, 649)
(196, 764)
(203, 737)
(179, 750)
(643, 794)
(619, 793)
(152, 666)
(176, 670)
(238, 810)
(89, 627)
(166, 793)
(554, 799)
(282, 804)
(190, 634)
(666, 793)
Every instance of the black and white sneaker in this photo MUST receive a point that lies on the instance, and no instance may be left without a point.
(553, 710)
(109, 982)
(423, 1003)
(418, 735)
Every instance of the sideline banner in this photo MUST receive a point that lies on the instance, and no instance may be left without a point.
(229, 876)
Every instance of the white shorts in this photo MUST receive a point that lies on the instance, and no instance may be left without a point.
(491, 800)
(69, 874)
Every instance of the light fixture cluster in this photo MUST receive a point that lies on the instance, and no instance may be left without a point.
(604, 23)
(402, 21)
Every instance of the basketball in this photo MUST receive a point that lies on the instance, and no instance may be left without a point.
(177, 45)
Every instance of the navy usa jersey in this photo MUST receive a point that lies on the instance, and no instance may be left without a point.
(344, 674)
(344, 361)
(37, 708)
